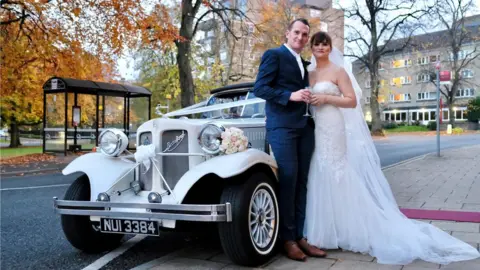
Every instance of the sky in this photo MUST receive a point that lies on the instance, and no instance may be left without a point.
(126, 63)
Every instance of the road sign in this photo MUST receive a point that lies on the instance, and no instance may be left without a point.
(445, 77)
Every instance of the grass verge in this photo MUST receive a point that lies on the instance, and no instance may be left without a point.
(20, 151)
(407, 129)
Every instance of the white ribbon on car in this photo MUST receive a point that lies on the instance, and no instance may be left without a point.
(215, 107)
(145, 154)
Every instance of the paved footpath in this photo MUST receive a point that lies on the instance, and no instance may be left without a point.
(438, 190)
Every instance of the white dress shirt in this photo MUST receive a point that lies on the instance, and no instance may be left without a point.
(299, 60)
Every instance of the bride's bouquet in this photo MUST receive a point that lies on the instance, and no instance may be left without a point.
(233, 141)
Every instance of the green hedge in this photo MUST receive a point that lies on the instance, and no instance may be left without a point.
(473, 110)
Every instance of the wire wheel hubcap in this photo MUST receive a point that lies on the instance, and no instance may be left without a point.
(262, 218)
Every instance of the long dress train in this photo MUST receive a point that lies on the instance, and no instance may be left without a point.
(350, 204)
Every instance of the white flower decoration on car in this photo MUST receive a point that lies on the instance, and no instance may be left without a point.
(233, 141)
(144, 154)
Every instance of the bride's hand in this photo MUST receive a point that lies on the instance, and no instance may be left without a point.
(318, 99)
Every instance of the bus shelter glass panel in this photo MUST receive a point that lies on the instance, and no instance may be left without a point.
(112, 113)
(138, 115)
(85, 134)
(54, 131)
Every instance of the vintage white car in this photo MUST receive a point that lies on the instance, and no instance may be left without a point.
(179, 176)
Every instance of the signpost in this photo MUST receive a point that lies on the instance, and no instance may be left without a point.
(437, 67)
(443, 77)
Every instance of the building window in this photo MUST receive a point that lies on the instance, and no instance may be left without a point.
(422, 60)
(466, 73)
(462, 54)
(401, 80)
(406, 79)
(397, 116)
(426, 95)
(445, 115)
(401, 63)
(423, 78)
(399, 97)
(467, 92)
(367, 100)
(434, 58)
(460, 114)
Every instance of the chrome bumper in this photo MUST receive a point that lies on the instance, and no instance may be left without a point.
(189, 212)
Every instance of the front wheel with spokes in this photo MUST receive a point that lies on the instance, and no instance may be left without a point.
(262, 218)
(251, 237)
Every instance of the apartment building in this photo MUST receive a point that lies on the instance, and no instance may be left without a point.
(241, 57)
(407, 93)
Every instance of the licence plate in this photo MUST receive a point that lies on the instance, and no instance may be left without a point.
(111, 225)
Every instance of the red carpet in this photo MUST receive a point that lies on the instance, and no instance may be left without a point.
(442, 215)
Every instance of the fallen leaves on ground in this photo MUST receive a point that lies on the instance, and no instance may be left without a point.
(27, 159)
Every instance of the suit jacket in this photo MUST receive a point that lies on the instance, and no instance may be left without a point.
(279, 75)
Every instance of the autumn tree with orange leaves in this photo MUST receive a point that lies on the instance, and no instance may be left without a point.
(78, 39)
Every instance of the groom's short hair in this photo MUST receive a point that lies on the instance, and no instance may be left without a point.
(302, 20)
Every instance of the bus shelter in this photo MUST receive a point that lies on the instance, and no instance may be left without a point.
(75, 112)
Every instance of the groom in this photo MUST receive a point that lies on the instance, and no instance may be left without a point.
(281, 81)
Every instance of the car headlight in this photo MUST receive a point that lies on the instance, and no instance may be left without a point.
(113, 142)
(210, 138)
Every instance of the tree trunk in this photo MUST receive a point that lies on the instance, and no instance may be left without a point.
(451, 112)
(376, 119)
(377, 128)
(14, 135)
(184, 52)
(185, 74)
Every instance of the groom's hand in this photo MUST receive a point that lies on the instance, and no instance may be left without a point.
(301, 96)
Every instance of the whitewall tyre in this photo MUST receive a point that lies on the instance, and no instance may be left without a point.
(250, 239)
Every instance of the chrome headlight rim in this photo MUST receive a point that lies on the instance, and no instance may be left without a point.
(221, 129)
(121, 142)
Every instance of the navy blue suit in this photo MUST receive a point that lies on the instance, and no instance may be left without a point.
(289, 133)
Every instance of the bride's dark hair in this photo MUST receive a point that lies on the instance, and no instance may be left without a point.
(321, 37)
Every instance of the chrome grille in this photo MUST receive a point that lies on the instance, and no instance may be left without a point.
(256, 137)
(145, 177)
(174, 167)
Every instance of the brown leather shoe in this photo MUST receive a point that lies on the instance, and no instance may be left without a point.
(294, 252)
(310, 250)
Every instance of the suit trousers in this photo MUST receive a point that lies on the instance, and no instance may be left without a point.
(292, 149)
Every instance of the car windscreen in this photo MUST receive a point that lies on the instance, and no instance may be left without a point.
(230, 106)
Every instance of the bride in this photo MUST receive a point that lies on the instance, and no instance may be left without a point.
(349, 202)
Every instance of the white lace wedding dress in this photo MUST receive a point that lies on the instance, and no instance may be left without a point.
(350, 204)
